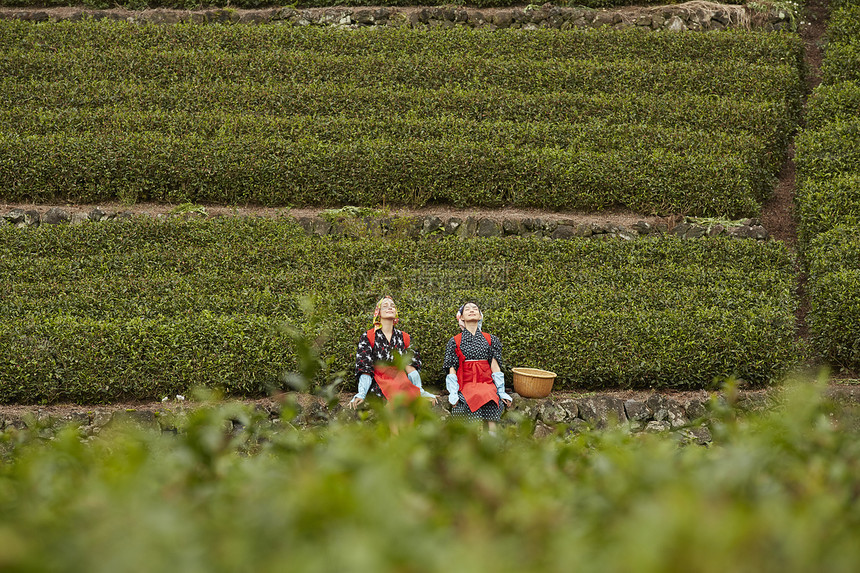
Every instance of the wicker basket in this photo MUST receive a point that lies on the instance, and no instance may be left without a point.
(532, 382)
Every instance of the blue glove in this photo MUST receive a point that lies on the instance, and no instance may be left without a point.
(499, 381)
(453, 388)
(364, 382)
(415, 378)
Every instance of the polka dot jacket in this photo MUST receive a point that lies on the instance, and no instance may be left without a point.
(474, 347)
(382, 351)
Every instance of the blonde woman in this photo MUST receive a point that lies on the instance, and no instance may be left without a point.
(374, 356)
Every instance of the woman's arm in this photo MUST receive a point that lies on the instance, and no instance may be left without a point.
(363, 356)
(363, 369)
(451, 363)
(495, 354)
(414, 364)
(495, 366)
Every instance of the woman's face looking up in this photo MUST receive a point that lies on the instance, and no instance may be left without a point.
(387, 309)
(471, 312)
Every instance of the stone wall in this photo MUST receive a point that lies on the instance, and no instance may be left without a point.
(652, 413)
(435, 226)
(695, 16)
(430, 226)
(684, 415)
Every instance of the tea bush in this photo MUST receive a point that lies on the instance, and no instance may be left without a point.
(835, 102)
(842, 58)
(143, 309)
(834, 293)
(842, 64)
(243, 168)
(68, 101)
(844, 24)
(823, 203)
(828, 196)
(542, 45)
(828, 165)
(278, 115)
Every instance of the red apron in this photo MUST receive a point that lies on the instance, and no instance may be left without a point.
(476, 378)
(391, 380)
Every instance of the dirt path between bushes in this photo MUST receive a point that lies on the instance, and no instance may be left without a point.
(844, 391)
(619, 217)
(778, 212)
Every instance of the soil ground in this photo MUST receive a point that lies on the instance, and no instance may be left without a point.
(17, 411)
(777, 216)
(845, 391)
(620, 217)
(628, 12)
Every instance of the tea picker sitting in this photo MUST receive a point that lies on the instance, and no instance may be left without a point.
(475, 381)
(376, 348)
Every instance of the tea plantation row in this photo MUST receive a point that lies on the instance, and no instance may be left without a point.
(144, 309)
(283, 121)
(751, 47)
(828, 197)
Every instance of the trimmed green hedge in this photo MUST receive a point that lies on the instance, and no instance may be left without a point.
(412, 171)
(278, 115)
(827, 202)
(844, 24)
(830, 151)
(589, 136)
(836, 102)
(80, 106)
(842, 63)
(828, 177)
(839, 4)
(145, 308)
(834, 294)
(463, 70)
(842, 54)
(828, 195)
(79, 38)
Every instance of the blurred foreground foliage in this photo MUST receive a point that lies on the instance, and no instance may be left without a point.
(229, 491)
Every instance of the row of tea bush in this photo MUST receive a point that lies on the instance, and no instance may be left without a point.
(300, 112)
(828, 194)
(736, 45)
(413, 169)
(148, 308)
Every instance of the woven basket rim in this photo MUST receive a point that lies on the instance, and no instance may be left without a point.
(533, 382)
(534, 372)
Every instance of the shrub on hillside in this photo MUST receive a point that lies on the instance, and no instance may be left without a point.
(834, 295)
(303, 116)
(144, 309)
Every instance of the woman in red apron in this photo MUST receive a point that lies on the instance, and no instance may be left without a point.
(475, 381)
(376, 349)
